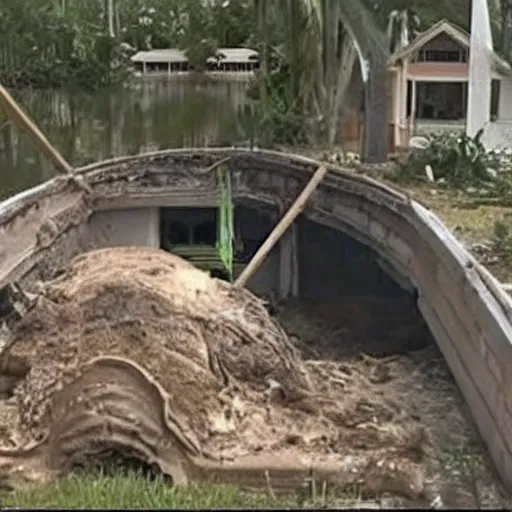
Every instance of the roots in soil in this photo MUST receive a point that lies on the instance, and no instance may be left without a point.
(135, 351)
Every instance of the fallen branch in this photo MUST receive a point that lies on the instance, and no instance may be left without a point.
(296, 208)
(25, 123)
(215, 166)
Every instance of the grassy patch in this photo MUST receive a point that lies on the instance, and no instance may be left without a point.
(474, 224)
(134, 489)
(136, 492)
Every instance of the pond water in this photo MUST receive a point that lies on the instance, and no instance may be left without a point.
(147, 116)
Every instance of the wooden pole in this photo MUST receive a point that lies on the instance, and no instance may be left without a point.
(294, 210)
(412, 121)
(25, 123)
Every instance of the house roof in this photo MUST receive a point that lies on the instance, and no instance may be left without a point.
(455, 32)
(238, 55)
(441, 27)
(168, 55)
(235, 55)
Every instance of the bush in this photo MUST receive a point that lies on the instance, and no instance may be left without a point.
(503, 240)
(454, 157)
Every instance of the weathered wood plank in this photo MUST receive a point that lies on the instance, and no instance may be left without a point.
(296, 208)
(26, 124)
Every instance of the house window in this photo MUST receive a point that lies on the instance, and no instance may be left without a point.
(442, 56)
(495, 99)
(441, 101)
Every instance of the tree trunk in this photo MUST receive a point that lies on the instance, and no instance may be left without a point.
(110, 15)
(506, 28)
(117, 19)
(346, 65)
(261, 7)
(376, 126)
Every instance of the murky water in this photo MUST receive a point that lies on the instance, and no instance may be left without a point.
(147, 116)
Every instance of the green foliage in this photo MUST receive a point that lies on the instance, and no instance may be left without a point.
(232, 23)
(282, 128)
(197, 41)
(43, 45)
(312, 41)
(454, 157)
(79, 43)
(117, 486)
(284, 122)
(198, 51)
(83, 44)
(134, 491)
(428, 11)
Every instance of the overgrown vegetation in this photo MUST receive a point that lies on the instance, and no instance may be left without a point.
(309, 50)
(135, 491)
(502, 241)
(86, 44)
(119, 488)
(43, 43)
(457, 161)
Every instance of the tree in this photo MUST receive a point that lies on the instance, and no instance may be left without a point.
(110, 18)
(505, 46)
(403, 27)
(320, 43)
(309, 49)
(232, 22)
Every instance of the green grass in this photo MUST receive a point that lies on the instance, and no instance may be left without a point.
(136, 492)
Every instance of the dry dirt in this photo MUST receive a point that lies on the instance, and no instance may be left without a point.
(136, 350)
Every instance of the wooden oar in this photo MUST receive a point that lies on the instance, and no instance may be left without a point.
(25, 123)
(294, 210)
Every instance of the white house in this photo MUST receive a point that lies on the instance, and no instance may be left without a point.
(448, 79)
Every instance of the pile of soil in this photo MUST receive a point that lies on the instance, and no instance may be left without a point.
(233, 385)
(195, 335)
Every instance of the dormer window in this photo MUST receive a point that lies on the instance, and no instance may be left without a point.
(443, 56)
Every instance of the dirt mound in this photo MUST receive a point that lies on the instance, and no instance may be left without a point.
(194, 334)
(232, 385)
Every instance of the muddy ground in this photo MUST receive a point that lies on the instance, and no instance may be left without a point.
(358, 384)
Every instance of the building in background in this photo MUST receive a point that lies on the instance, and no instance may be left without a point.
(447, 79)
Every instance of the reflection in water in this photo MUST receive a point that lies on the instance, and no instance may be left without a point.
(146, 117)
